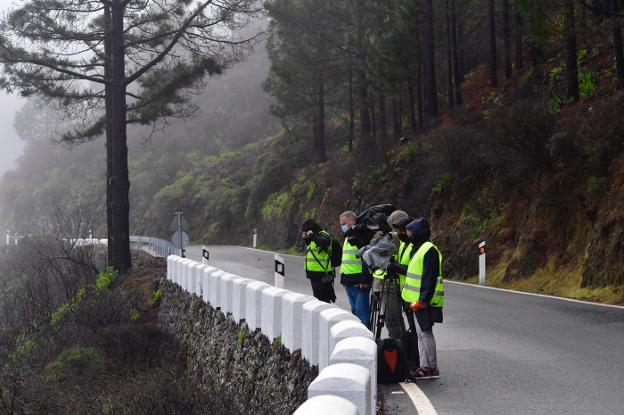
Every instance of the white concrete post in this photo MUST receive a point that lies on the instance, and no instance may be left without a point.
(253, 303)
(310, 329)
(327, 404)
(482, 263)
(279, 271)
(254, 238)
(239, 297)
(227, 286)
(214, 288)
(345, 329)
(206, 277)
(198, 270)
(345, 380)
(326, 321)
(292, 319)
(360, 351)
(271, 318)
(169, 267)
(8, 238)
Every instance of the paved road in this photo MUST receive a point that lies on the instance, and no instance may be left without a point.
(499, 352)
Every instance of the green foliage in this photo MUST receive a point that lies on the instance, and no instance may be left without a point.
(482, 213)
(241, 336)
(135, 315)
(105, 279)
(443, 184)
(75, 364)
(587, 85)
(277, 342)
(24, 350)
(597, 186)
(59, 314)
(155, 297)
(275, 205)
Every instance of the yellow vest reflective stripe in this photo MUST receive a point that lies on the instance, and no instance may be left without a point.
(403, 258)
(413, 278)
(317, 259)
(351, 264)
(380, 274)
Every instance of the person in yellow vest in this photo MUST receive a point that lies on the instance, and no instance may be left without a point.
(318, 266)
(393, 309)
(424, 290)
(353, 275)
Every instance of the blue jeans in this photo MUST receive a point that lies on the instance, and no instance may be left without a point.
(359, 298)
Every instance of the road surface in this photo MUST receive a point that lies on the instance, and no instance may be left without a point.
(499, 352)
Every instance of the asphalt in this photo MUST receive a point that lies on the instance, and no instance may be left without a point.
(499, 352)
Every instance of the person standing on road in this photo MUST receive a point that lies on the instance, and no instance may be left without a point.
(353, 275)
(424, 290)
(318, 266)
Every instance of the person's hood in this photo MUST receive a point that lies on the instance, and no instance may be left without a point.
(396, 216)
(420, 229)
(311, 225)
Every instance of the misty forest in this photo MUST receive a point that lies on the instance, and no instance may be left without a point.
(498, 120)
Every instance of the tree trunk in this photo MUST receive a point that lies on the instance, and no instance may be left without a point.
(351, 109)
(419, 91)
(320, 142)
(120, 186)
(395, 118)
(461, 49)
(507, 39)
(570, 51)
(518, 34)
(109, 135)
(493, 58)
(365, 122)
(373, 117)
(456, 67)
(410, 91)
(431, 87)
(383, 122)
(449, 58)
(617, 44)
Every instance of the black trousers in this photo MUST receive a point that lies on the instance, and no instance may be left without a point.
(324, 291)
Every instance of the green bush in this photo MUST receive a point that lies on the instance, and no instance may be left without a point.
(444, 182)
(597, 186)
(155, 297)
(135, 315)
(76, 363)
(59, 314)
(275, 205)
(105, 279)
(587, 85)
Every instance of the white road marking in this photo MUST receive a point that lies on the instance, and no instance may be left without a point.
(572, 300)
(419, 399)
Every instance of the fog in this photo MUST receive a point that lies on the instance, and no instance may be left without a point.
(9, 104)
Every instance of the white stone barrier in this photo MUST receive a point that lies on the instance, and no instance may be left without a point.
(214, 288)
(345, 329)
(253, 303)
(327, 319)
(197, 271)
(271, 314)
(346, 380)
(206, 278)
(227, 286)
(360, 351)
(310, 328)
(292, 317)
(239, 297)
(327, 404)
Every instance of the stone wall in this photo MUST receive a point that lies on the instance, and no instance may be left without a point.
(240, 371)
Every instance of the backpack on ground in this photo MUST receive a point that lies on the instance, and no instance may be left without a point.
(391, 362)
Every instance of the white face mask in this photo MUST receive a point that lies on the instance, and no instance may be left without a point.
(345, 228)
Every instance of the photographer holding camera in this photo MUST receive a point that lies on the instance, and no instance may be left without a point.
(318, 261)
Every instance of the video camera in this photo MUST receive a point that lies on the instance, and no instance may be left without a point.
(369, 222)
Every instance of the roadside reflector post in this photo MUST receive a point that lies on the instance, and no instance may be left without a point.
(482, 263)
(205, 255)
(254, 241)
(279, 271)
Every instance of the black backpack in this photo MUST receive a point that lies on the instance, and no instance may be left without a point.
(335, 253)
(392, 364)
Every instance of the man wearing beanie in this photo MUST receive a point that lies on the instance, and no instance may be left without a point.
(318, 264)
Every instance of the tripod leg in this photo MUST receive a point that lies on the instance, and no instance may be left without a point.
(413, 355)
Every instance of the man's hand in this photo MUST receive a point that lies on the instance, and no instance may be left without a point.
(363, 286)
(308, 234)
(417, 305)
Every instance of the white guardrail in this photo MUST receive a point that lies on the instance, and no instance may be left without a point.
(332, 338)
(157, 246)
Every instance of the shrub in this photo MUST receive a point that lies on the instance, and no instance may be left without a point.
(61, 312)
(444, 182)
(105, 279)
(76, 363)
(155, 297)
